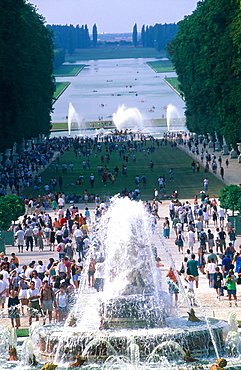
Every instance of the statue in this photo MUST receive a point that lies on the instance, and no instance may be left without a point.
(12, 354)
(221, 363)
(32, 360)
(192, 317)
(72, 321)
(49, 366)
(79, 361)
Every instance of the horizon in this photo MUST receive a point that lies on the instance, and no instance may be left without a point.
(112, 18)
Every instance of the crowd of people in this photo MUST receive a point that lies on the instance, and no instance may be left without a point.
(204, 231)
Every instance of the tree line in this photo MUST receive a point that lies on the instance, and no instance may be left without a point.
(157, 36)
(26, 82)
(69, 37)
(206, 56)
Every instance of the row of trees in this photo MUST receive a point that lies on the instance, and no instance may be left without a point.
(206, 56)
(70, 37)
(26, 82)
(158, 36)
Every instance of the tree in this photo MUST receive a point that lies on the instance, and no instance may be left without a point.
(26, 82)
(229, 198)
(94, 35)
(134, 35)
(11, 208)
(143, 36)
(206, 56)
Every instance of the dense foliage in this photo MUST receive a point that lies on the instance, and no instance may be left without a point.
(26, 83)
(134, 35)
(230, 198)
(11, 208)
(158, 36)
(70, 37)
(206, 56)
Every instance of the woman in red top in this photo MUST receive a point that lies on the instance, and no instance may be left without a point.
(173, 284)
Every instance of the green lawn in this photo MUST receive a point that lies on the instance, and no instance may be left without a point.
(161, 66)
(186, 183)
(114, 52)
(68, 70)
(173, 81)
(60, 87)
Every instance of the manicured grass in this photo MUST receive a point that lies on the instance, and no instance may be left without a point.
(22, 332)
(68, 70)
(161, 66)
(114, 52)
(60, 87)
(186, 183)
(173, 81)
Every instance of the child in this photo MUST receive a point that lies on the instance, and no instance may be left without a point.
(14, 308)
(218, 278)
(62, 302)
(190, 279)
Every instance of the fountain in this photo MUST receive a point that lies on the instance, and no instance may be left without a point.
(74, 121)
(175, 122)
(128, 118)
(132, 321)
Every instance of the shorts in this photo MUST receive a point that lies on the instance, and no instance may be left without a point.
(231, 292)
(23, 294)
(196, 278)
(34, 306)
(63, 309)
(47, 306)
(75, 277)
(91, 273)
(2, 300)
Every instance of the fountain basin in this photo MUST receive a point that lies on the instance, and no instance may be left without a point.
(98, 345)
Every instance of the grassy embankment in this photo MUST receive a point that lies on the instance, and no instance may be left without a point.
(186, 183)
(161, 66)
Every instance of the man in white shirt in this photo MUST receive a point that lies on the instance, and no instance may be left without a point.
(3, 291)
(20, 239)
(33, 296)
(191, 239)
(36, 279)
(61, 268)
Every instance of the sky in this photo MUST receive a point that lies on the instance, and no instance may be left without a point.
(114, 16)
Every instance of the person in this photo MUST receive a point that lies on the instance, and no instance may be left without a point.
(192, 268)
(191, 239)
(232, 235)
(173, 284)
(166, 228)
(20, 239)
(33, 297)
(22, 292)
(91, 272)
(13, 308)
(52, 239)
(218, 279)
(179, 241)
(99, 275)
(47, 298)
(75, 272)
(229, 251)
(28, 235)
(69, 249)
(231, 287)
(40, 241)
(3, 291)
(210, 271)
(190, 285)
(205, 184)
(222, 241)
(210, 239)
(61, 303)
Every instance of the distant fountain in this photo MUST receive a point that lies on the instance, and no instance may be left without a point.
(175, 121)
(74, 121)
(128, 118)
